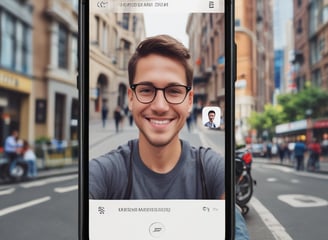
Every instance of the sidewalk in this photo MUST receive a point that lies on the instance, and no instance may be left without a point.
(275, 160)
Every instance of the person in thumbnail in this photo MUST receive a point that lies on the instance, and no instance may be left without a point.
(211, 116)
(158, 165)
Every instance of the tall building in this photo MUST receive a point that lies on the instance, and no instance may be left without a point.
(55, 51)
(206, 45)
(113, 39)
(300, 59)
(255, 69)
(310, 57)
(16, 69)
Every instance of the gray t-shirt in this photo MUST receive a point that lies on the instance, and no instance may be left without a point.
(108, 175)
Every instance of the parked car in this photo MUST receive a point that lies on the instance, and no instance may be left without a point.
(258, 150)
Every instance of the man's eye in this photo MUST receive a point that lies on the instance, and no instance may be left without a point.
(145, 90)
(174, 90)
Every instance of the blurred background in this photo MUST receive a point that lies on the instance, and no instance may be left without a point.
(281, 99)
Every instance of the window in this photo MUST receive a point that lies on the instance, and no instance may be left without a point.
(135, 21)
(8, 41)
(125, 21)
(75, 53)
(62, 47)
(237, 22)
(299, 26)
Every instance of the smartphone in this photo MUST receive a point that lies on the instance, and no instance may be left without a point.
(156, 89)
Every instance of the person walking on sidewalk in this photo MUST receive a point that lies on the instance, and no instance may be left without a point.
(314, 156)
(158, 164)
(299, 151)
(104, 113)
(117, 117)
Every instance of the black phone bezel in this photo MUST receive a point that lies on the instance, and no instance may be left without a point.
(83, 86)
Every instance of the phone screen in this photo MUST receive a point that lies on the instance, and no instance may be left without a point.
(156, 124)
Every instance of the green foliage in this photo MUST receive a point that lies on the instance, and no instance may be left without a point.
(296, 105)
(42, 139)
(291, 107)
(267, 120)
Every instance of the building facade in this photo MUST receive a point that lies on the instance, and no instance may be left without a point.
(300, 60)
(55, 41)
(206, 45)
(16, 69)
(255, 63)
(113, 39)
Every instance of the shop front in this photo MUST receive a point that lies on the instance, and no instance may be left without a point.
(15, 105)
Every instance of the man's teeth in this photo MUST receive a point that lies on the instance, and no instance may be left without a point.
(159, 122)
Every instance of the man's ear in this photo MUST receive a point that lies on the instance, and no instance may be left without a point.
(130, 98)
(190, 100)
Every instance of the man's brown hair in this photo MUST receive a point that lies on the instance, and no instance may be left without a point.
(163, 45)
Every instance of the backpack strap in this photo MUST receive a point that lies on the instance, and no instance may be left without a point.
(128, 190)
(200, 164)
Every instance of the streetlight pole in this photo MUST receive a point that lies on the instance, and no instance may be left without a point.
(308, 114)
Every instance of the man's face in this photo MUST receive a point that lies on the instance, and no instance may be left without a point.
(211, 117)
(159, 122)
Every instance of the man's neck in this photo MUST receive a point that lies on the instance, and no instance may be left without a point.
(160, 159)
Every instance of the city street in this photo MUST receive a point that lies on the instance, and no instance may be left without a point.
(289, 201)
(42, 209)
(283, 202)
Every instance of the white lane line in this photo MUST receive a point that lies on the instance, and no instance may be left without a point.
(47, 181)
(293, 171)
(272, 179)
(23, 205)
(7, 191)
(270, 221)
(66, 189)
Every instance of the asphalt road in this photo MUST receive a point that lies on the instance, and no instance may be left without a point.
(40, 209)
(293, 205)
(286, 204)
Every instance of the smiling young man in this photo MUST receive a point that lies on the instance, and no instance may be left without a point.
(158, 165)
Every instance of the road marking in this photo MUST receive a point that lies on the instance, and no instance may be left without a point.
(295, 181)
(47, 181)
(23, 205)
(7, 191)
(270, 221)
(302, 201)
(66, 189)
(272, 179)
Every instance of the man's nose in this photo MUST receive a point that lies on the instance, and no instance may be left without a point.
(160, 103)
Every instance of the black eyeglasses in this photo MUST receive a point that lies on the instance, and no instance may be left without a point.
(174, 94)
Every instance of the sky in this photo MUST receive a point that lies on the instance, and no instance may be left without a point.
(172, 24)
(283, 11)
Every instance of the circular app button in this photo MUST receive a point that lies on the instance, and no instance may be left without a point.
(156, 229)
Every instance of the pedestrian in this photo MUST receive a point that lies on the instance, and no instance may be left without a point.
(281, 151)
(158, 164)
(104, 113)
(12, 150)
(117, 117)
(314, 155)
(299, 151)
(30, 158)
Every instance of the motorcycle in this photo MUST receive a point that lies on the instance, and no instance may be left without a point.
(244, 180)
(17, 173)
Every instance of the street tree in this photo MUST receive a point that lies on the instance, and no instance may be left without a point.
(296, 106)
(266, 121)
